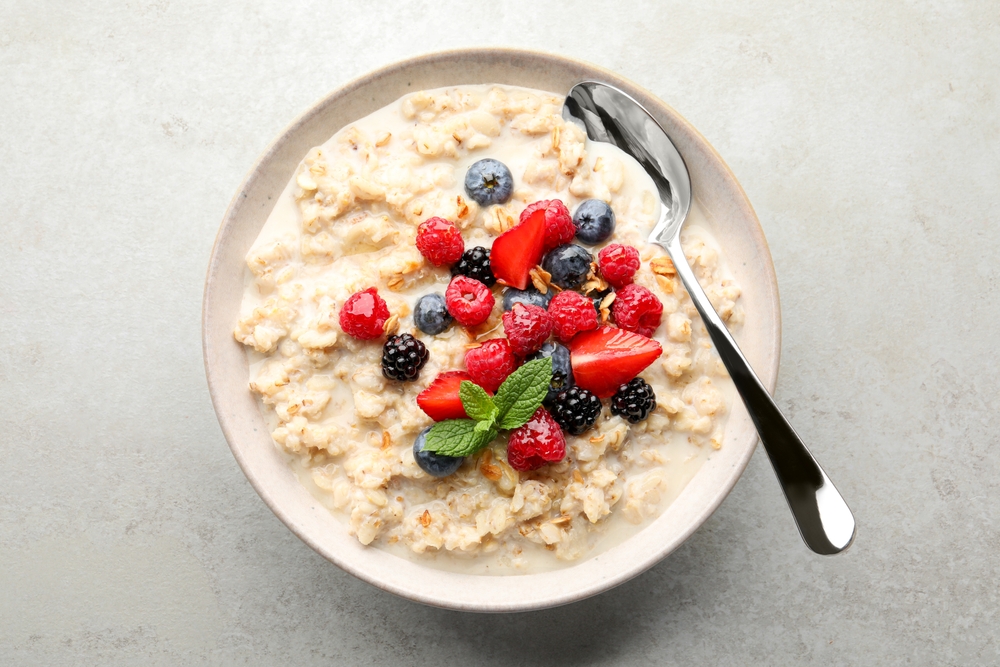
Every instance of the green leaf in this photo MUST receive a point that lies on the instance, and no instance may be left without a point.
(458, 437)
(477, 403)
(523, 392)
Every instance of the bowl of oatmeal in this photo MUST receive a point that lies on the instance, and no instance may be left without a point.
(444, 355)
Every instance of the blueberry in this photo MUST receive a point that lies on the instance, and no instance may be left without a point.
(430, 315)
(597, 297)
(568, 264)
(594, 221)
(562, 370)
(435, 465)
(489, 182)
(529, 296)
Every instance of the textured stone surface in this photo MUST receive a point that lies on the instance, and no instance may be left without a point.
(866, 136)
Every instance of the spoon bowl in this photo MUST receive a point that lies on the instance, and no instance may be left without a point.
(610, 115)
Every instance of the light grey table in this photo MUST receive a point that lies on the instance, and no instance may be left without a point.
(869, 142)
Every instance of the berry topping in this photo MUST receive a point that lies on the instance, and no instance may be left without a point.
(518, 250)
(597, 296)
(527, 327)
(432, 463)
(568, 264)
(469, 301)
(594, 221)
(538, 442)
(634, 401)
(618, 263)
(439, 241)
(402, 357)
(559, 227)
(489, 182)
(607, 358)
(364, 314)
(572, 313)
(576, 410)
(441, 399)
(529, 296)
(431, 314)
(562, 370)
(490, 363)
(637, 309)
(475, 263)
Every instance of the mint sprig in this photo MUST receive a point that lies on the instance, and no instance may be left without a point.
(515, 402)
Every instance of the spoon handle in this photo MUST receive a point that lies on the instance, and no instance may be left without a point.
(823, 518)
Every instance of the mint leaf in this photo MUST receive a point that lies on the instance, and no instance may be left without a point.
(477, 403)
(522, 392)
(459, 437)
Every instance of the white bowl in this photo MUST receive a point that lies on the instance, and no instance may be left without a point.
(732, 220)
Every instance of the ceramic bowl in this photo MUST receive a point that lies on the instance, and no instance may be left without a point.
(732, 220)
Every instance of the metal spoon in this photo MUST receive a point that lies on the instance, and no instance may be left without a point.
(607, 114)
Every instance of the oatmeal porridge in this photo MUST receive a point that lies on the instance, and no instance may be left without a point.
(450, 260)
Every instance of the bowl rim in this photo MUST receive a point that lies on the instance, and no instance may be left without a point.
(768, 374)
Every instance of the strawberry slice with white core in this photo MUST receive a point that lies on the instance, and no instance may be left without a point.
(607, 357)
(518, 250)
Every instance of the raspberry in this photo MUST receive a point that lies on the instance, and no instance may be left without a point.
(490, 363)
(559, 228)
(538, 442)
(571, 313)
(637, 309)
(440, 241)
(527, 328)
(469, 301)
(364, 314)
(618, 263)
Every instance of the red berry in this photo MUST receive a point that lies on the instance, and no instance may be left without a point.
(527, 328)
(571, 313)
(518, 250)
(469, 301)
(618, 263)
(637, 309)
(607, 358)
(490, 363)
(440, 241)
(538, 442)
(364, 314)
(441, 400)
(559, 227)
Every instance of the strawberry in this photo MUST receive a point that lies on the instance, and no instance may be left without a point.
(518, 250)
(606, 358)
(440, 400)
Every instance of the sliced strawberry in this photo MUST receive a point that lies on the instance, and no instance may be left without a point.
(606, 358)
(440, 400)
(518, 250)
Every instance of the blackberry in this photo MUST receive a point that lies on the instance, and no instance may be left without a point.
(475, 263)
(633, 401)
(576, 410)
(402, 357)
